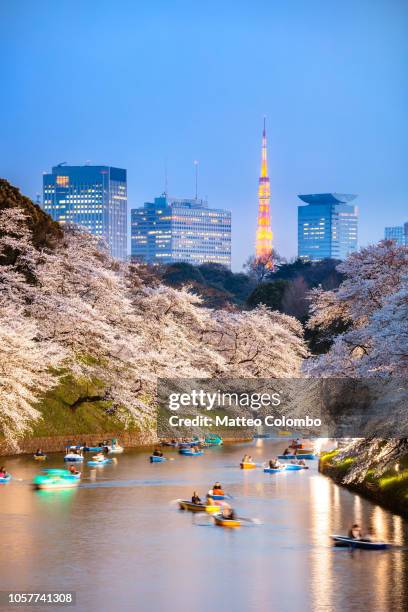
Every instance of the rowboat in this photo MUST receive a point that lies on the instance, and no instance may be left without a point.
(190, 453)
(73, 457)
(55, 479)
(365, 544)
(115, 449)
(156, 459)
(295, 467)
(298, 456)
(247, 465)
(213, 440)
(187, 505)
(224, 522)
(269, 470)
(4, 479)
(95, 462)
(40, 457)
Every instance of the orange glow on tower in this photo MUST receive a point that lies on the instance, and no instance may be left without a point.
(263, 247)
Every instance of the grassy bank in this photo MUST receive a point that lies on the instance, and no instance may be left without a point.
(390, 489)
(76, 410)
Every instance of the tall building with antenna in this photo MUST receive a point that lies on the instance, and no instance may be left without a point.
(263, 246)
(170, 230)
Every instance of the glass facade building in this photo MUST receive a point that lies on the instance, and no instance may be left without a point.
(170, 230)
(397, 233)
(94, 197)
(327, 226)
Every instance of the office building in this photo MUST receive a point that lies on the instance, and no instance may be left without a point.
(94, 197)
(327, 226)
(397, 233)
(172, 230)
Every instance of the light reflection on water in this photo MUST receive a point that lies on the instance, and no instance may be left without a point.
(120, 543)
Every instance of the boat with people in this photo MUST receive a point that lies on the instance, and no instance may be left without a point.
(99, 460)
(114, 447)
(213, 440)
(73, 457)
(40, 457)
(216, 495)
(346, 541)
(222, 521)
(275, 470)
(191, 452)
(247, 465)
(294, 467)
(217, 492)
(197, 507)
(55, 479)
(299, 455)
(157, 459)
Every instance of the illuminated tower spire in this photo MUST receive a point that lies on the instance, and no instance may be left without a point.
(263, 247)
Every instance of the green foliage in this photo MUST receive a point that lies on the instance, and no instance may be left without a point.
(270, 294)
(325, 457)
(182, 273)
(317, 273)
(216, 284)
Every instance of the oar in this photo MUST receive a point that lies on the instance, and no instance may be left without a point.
(254, 521)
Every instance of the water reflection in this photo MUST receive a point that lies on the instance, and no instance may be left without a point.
(120, 543)
(321, 502)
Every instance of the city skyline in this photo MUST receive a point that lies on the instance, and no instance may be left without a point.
(333, 80)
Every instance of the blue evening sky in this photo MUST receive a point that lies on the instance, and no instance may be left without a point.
(131, 84)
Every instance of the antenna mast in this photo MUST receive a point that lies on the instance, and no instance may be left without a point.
(196, 179)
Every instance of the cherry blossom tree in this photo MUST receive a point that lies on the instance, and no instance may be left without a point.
(371, 303)
(77, 306)
(25, 372)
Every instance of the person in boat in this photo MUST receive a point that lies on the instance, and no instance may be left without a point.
(73, 470)
(39, 453)
(217, 489)
(274, 464)
(195, 498)
(301, 462)
(228, 513)
(287, 451)
(3, 472)
(250, 460)
(157, 453)
(245, 459)
(355, 532)
(99, 456)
